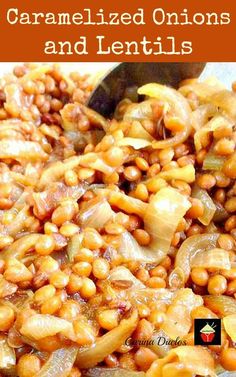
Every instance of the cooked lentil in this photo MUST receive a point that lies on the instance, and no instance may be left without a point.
(65, 280)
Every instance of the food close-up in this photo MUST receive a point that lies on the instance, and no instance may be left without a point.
(116, 233)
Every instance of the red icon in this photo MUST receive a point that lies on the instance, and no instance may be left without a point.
(208, 333)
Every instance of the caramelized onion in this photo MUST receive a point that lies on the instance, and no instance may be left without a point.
(108, 343)
(179, 108)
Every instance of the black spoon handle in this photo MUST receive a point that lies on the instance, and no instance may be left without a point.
(110, 90)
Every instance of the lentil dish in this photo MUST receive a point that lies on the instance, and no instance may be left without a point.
(115, 230)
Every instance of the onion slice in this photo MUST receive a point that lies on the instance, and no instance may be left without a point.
(21, 150)
(190, 247)
(59, 363)
(72, 112)
(216, 122)
(20, 247)
(7, 355)
(126, 203)
(202, 114)
(186, 173)
(230, 326)
(162, 217)
(56, 170)
(40, 326)
(140, 111)
(136, 130)
(214, 258)
(108, 343)
(136, 143)
(74, 245)
(221, 305)
(131, 250)
(209, 206)
(96, 213)
(225, 100)
(179, 108)
(111, 372)
(178, 320)
(122, 273)
(192, 359)
(213, 162)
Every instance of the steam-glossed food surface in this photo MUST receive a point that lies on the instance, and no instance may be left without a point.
(115, 234)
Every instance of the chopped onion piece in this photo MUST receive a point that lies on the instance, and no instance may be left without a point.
(131, 250)
(74, 246)
(20, 247)
(108, 343)
(225, 100)
(213, 162)
(72, 112)
(127, 203)
(178, 319)
(56, 170)
(186, 173)
(176, 278)
(216, 122)
(95, 161)
(149, 295)
(59, 363)
(22, 150)
(197, 360)
(213, 258)
(230, 326)
(18, 300)
(18, 222)
(220, 214)
(134, 142)
(209, 206)
(111, 372)
(190, 247)
(191, 361)
(139, 111)
(40, 326)
(6, 288)
(45, 202)
(95, 118)
(136, 130)
(161, 218)
(7, 354)
(202, 114)
(96, 214)
(157, 346)
(37, 73)
(203, 90)
(221, 305)
(122, 273)
(179, 108)
(163, 214)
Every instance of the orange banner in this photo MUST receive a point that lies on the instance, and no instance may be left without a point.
(147, 30)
